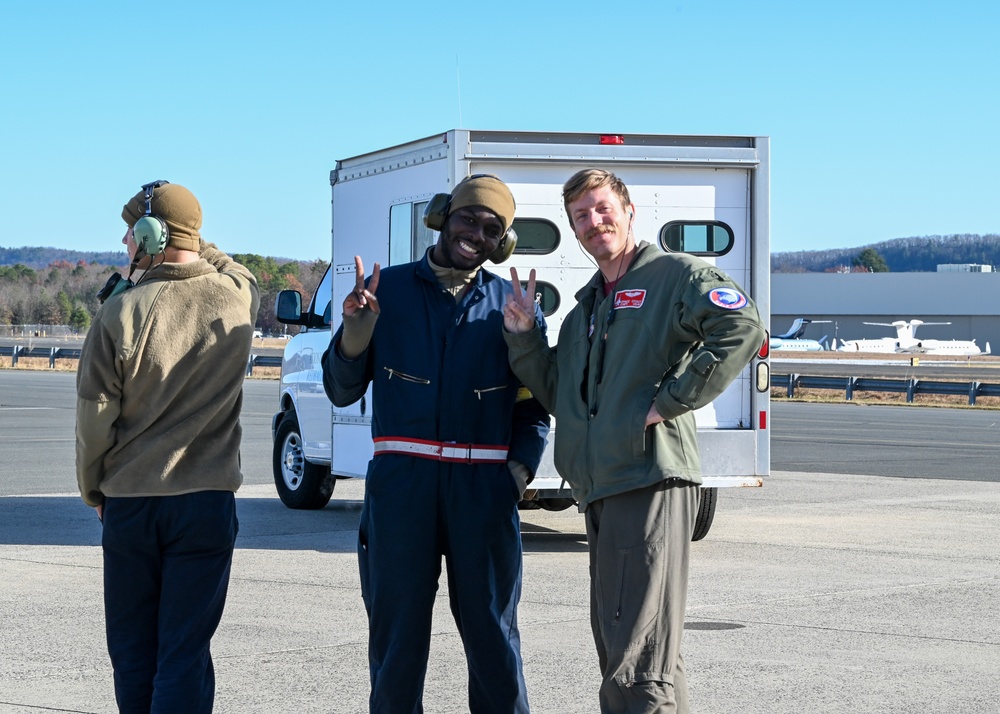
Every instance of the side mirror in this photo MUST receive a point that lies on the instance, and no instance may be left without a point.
(288, 307)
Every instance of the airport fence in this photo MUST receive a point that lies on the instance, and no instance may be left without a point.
(54, 354)
(22, 331)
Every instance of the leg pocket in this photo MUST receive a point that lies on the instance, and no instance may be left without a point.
(635, 620)
(646, 693)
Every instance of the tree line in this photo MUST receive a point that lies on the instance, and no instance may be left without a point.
(64, 292)
(900, 255)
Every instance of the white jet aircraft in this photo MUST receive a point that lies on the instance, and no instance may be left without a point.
(793, 341)
(907, 342)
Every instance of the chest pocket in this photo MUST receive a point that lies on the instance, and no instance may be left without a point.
(396, 374)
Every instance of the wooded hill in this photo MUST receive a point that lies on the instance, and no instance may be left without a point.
(40, 258)
(901, 255)
(48, 286)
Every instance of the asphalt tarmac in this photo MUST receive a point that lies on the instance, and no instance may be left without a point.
(820, 592)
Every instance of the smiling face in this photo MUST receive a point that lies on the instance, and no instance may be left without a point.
(468, 237)
(602, 224)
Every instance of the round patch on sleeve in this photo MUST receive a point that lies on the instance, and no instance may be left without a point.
(727, 298)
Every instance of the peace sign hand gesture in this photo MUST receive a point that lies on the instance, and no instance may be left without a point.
(362, 298)
(519, 310)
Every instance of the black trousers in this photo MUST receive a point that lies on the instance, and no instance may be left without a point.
(166, 573)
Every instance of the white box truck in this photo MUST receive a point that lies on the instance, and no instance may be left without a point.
(704, 195)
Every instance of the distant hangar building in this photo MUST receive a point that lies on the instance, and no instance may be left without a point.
(970, 301)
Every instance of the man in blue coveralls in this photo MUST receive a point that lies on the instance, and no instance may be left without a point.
(457, 440)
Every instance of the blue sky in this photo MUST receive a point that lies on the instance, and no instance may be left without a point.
(883, 115)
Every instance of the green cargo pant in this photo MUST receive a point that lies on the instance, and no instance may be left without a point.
(640, 543)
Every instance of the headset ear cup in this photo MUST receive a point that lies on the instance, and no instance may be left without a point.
(506, 248)
(436, 211)
(151, 235)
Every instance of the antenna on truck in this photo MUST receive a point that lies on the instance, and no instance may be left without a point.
(458, 82)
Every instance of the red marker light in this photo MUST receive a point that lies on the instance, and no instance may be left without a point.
(763, 420)
(765, 349)
(612, 139)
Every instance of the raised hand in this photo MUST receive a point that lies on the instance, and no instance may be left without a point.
(362, 297)
(519, 309)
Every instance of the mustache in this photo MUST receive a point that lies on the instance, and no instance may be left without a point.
(598, 230)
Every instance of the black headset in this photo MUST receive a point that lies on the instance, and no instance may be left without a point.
(150, 231)
(436, 214)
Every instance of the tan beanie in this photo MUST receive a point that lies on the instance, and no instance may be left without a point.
(487, 191)
(178, 208)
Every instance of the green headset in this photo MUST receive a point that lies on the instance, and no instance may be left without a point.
(150, 234)
(436, 214)
(150, 231)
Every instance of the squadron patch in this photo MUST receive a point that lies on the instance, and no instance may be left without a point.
(727, 298)
(629, 299)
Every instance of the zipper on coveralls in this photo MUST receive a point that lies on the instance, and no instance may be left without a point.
(480, 392)
(402, 375)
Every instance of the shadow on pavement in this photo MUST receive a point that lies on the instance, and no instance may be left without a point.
(539, 539)
(265, 524)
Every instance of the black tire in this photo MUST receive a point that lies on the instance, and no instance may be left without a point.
(555, 504)
(706, 513)
(300, 484)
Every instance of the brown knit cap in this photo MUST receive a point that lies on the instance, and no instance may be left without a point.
(178, 208)
(487, 191)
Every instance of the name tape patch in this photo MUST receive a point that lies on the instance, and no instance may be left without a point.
(629, 299)
(727, 298)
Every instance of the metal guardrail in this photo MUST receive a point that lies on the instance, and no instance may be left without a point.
(17, 352)
(788, 382)
(909, 387)
(262, 361)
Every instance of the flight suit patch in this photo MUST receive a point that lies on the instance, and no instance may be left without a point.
(727, 298)
(629, 299)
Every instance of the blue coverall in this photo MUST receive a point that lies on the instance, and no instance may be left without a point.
(439, 374)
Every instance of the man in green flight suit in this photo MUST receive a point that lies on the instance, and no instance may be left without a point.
(653, 337)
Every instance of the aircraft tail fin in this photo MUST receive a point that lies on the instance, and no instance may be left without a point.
(794, 331)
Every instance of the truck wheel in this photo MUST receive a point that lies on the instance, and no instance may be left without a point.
(555, 504)
(706, 513)
(300, 484)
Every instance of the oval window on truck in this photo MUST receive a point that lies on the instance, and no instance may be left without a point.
(535, 236)
(546, 296)
(706, 238)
